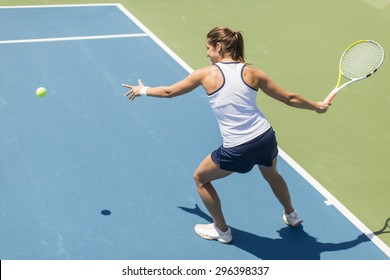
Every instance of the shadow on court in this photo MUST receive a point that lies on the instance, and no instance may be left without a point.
(293, 244)
(384, 229)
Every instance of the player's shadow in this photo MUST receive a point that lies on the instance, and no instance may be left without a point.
(293, 244)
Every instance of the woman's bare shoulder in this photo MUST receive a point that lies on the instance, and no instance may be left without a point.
(254, 76)
(254, 70)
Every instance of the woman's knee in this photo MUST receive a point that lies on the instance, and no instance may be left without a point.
(199, 178)
(196, 176)
(270, 174)
(208, 171)
(270, 177)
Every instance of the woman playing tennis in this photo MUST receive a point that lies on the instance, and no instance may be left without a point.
(248, 138)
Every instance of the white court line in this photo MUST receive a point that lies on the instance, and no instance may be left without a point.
(330, 199)
(73, 38)
(180, 61)
(59, 6)
(96, 37)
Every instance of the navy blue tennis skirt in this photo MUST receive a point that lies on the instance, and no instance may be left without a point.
(260, 151)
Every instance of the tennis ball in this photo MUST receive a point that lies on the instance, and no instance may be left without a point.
(41, 92)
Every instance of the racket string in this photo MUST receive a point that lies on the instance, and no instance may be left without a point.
(361, 60)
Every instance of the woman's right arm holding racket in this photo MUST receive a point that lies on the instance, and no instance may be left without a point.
(262, 81)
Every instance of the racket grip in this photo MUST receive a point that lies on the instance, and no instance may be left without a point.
(330, 96)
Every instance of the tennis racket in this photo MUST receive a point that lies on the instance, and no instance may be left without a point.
(359, 61)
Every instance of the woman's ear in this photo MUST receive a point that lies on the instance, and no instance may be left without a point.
(218, 47)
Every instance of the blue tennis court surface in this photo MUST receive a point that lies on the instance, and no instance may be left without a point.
(84, 149)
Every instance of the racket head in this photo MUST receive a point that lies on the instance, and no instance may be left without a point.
(361, 59)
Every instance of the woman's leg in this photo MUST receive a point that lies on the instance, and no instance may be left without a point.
(278, 185)
(209, 171)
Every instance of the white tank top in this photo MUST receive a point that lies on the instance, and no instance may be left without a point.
(234, 105)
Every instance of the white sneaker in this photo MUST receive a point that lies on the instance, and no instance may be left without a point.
(211, 231)
(292, 219)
